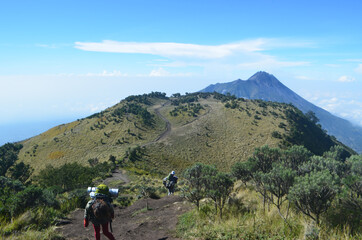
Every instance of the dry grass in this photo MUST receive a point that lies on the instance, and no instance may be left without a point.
(218, 135)
(80, 141)
(250, 221)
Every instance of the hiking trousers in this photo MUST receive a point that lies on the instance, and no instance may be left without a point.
(171, 190)
(97, 231)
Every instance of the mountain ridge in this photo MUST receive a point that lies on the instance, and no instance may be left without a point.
(265, 86)
(156, 133)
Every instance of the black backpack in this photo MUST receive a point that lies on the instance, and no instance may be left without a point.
(101, 210)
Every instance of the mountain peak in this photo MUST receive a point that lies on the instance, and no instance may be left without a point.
(264, 78)
(265, 86)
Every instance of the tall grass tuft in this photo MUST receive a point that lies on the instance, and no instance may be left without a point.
(47, 234)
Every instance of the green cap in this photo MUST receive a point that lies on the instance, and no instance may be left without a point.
(103, 189)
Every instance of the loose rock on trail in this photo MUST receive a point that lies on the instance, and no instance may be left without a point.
(134, 222)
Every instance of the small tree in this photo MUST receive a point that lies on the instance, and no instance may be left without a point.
(8, 156)
(112, 159)
(219, 189)
(242, 171)
(295, 156)
(261, 163)
(354, 180)
(264, 157)
(20, 171)
(312, 117)
(313, 193)
(337, 153)
(278, 182)
(196, 178)
(318, 163)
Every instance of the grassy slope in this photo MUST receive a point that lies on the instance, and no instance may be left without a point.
(77, 142)
(215, 135)
(218, 135)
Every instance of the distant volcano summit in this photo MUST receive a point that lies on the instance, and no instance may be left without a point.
(261, 85)
(265, 86)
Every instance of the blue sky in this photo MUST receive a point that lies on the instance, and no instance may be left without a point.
(63, 60)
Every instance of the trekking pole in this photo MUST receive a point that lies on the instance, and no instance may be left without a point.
(110, 225)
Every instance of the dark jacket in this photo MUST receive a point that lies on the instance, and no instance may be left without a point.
(172, 178)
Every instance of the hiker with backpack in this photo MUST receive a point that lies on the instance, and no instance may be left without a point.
(100, 212)
(169, 182)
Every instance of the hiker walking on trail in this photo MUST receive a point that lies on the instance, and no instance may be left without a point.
(100, 212)
(170, 182)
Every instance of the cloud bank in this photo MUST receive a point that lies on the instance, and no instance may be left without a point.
(174, 49)
(225, 60)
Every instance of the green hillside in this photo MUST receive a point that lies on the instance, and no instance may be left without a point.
(158, 133)
(145, 136)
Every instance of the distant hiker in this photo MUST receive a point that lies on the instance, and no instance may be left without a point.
(170, 182)
(100, 212)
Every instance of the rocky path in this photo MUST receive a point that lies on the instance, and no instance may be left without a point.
(135, 222)
(119, 174)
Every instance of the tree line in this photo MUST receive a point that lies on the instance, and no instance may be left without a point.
(47, 196)
(327, 187)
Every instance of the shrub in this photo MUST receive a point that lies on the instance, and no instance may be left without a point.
(313, 193)
(8, 156)
(124, 201)
(276, 134)
(196, 178)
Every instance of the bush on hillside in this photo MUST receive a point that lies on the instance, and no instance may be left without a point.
(71, 176)
(20, 171)
(8, 156)
(303, 131)
(196, 178)
(313, 193)
(15, 198)
(219, 187)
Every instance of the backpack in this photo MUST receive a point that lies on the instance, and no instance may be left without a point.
(102, 211)
(172, 182)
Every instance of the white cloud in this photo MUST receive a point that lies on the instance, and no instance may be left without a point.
(161, 60)
(105, 73)
(47, 45)
(342, 105)
(346, 79)
(53, 45)
(191, 50)
(174, 49)
(359, 69)
(159, 73)
(225, 60)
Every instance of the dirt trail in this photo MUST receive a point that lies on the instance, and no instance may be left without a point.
(118, 174)
(168, 126)
(134, 222)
